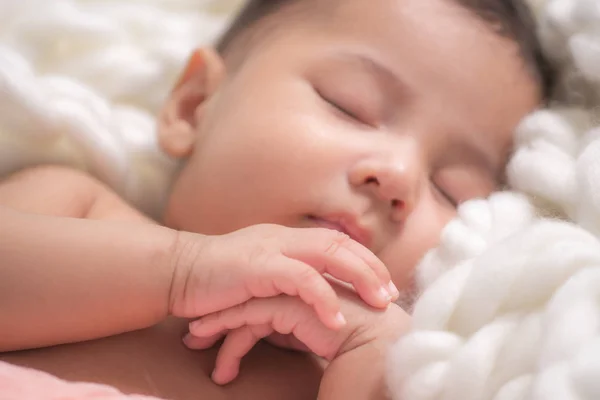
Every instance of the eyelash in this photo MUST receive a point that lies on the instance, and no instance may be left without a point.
(347, 113)
(453, 202)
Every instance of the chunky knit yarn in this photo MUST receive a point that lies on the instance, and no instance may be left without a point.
(510, 308)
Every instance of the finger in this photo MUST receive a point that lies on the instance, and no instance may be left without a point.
(365, 254)
(237, 344)
(285, 315)
(380, 269)
(325, 237)
(335, 253)
(201, 343)
(374, 263)
(347, 267)
(295, 278)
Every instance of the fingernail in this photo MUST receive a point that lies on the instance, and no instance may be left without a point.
(193, 326)
(214, 377)
(393, 289)
(339, 318)
(384, 294)
(186, 339)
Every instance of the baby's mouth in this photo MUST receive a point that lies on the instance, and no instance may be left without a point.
(346, 224)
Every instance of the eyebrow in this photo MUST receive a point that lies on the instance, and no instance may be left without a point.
(387, 78)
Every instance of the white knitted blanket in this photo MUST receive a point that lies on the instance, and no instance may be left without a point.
(511, 301)
(81, 81)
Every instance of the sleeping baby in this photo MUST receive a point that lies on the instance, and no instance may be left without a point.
(324, 146)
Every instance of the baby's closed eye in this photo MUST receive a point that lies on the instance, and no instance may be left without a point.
(350, 102)
(460, 183)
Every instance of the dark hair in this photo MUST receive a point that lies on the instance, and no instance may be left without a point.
(510, 18)
(253, 12)
(513, 19)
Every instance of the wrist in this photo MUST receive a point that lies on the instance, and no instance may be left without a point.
(185, 252)
(358, 370)
(357, 374)
(381, 332)
(158, 246)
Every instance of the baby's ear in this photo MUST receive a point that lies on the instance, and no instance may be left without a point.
(181, 114)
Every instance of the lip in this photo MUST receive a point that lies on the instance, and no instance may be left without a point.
(346, 224)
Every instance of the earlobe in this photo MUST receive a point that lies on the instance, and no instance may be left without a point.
(180, 116)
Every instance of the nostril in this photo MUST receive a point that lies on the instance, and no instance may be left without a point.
(372, 180)
(397, 204)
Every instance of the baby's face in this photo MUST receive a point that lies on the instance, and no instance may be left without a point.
(376, 118)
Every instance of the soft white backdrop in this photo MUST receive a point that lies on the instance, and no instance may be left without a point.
(81, 80)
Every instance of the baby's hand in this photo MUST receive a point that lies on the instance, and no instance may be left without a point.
(215, 273)
(244, 325)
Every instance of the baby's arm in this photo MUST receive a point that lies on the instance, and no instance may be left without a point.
(64, 278)
(65, 192)
(358, 374)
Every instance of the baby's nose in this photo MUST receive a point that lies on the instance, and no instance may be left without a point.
(393, 180)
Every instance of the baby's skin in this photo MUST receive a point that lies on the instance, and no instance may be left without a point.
(274, 281)
(339, 147)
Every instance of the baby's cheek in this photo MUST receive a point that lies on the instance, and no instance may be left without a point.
(421, 233)
(402, 263)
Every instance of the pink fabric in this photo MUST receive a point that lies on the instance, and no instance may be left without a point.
(17, 383)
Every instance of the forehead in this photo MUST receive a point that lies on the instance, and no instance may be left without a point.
(437, 37)
(438, 45)
(438, 56)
